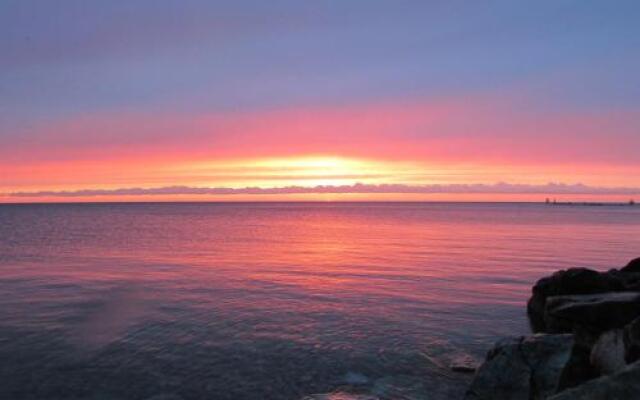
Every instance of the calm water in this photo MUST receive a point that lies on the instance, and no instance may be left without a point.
(275, 301)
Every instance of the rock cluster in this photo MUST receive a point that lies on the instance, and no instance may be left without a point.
(586, 341)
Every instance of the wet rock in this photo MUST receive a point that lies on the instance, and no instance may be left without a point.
(578, 369)
(632, 341)
(593, 313)
(631, 282)
(522, 368)
(602, 313)
(567, 282)
(464, 363)
(607, 355)
(624, 384)
(632, 267)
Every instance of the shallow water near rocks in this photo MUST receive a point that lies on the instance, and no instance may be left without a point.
(276, 300)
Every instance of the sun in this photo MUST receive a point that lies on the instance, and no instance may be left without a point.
(317, 170)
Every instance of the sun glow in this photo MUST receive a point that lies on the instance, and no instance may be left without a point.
(313, 170)
(318, 162)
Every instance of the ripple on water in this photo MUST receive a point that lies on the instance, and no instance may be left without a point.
(282, 301)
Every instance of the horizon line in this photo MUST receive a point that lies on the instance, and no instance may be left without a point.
(548, 189)
(542, 202)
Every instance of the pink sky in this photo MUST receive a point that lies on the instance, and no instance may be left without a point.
(228, 96)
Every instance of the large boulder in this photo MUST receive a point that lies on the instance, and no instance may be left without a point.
(567, 282)
(629, 281)
(632, 267)
(592, 325)
(607, 354)
(522, 368)
(622, 385)
(594, 313)
(629, 275)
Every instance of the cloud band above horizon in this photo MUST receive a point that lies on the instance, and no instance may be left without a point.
(495, 188)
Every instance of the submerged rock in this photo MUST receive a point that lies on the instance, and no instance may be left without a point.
(464, 363)
(165, 396)
(594, 313)
(522, 368)
(624, 384)
(397, 387)
(340, 396)
(411, 387)
(355, 378)
(403, 387)
(607, 355)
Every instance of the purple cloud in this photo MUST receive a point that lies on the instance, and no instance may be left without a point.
(501, 187)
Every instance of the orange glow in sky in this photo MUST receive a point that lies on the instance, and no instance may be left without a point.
(176, 109)
(303, 171)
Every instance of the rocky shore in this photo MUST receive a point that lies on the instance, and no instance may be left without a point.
(585, 342)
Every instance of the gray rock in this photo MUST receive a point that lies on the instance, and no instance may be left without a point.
(607, 355)
(522, 368)
(632, 341)
(623, 385)
(579, 368)
(567, 282)
(629, 278)
(594, 313)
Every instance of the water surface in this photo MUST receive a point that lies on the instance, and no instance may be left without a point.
(276, 300)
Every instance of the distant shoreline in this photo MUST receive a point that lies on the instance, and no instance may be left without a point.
(591, 204)
(231, 202)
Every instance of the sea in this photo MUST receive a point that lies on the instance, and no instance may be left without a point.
(169, 301)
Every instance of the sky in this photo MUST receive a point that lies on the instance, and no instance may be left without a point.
(319, 100)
